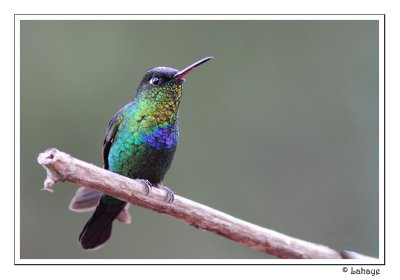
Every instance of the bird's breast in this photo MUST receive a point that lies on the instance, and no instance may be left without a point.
(141, 150)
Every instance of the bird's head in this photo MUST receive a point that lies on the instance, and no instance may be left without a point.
(162, 84)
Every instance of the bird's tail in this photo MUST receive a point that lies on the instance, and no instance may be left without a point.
(98, 229)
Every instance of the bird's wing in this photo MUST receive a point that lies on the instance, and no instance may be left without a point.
(109, 138)
(123, 217)
(84, 200)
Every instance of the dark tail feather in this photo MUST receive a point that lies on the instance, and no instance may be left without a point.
(98, 229)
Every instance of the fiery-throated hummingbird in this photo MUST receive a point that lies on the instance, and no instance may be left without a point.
(140, 143)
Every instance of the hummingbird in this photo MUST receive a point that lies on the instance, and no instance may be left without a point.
(140, 143)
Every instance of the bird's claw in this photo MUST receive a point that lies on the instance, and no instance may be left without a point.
(147, 185)
(170, 194)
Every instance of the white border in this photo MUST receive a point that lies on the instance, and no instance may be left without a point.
(18, 18)
(381, 137)
(199, 17)
(17, 185)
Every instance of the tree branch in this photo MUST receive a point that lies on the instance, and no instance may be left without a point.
(63, 167)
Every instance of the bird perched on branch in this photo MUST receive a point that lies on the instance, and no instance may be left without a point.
(140, 143)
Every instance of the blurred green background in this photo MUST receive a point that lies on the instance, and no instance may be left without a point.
(280, 129)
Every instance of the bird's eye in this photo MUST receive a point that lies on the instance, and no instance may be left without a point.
(155, 81)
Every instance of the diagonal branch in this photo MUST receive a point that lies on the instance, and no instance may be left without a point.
(63, 167)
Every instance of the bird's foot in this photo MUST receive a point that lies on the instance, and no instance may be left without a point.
(147, 184)
(170, 193)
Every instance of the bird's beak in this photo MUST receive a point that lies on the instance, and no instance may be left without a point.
(182, 73)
